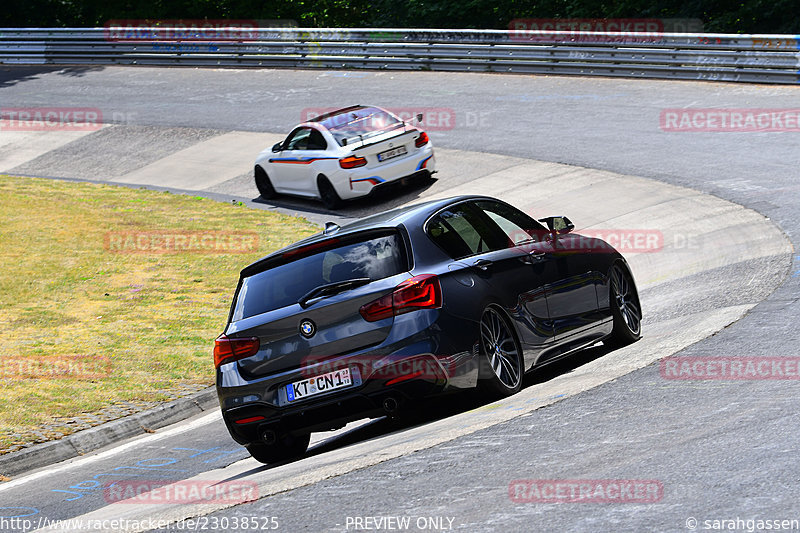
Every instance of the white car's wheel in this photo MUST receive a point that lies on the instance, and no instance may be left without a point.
(330, 198)
(263, 184)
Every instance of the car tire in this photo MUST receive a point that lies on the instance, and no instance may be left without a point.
(625, 307)
(286, 447)
(330, 198)
(500, 355)
(263, 184)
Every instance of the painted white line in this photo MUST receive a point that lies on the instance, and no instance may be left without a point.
(181, 427)
(176, 429)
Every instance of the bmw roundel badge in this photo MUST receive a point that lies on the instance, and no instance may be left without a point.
(307, 328)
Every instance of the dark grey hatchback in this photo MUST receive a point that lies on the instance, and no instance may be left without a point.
(441, 296)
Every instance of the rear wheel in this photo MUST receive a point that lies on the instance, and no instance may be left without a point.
(625, 307)
(285, 447)
(500, 351)
(263, 184)
(328, 195)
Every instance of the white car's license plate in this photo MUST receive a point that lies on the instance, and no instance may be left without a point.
(338, 379)
(394, 152)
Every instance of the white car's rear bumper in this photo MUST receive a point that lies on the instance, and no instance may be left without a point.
(361, 181)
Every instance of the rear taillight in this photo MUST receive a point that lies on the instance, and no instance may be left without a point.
(352, 162)
(420, 292)
(227, 350)
(422, 140)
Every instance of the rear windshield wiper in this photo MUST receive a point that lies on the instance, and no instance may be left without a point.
(331, 289)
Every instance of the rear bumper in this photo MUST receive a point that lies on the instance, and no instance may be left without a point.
(387, 186)
(362, 181)
(327, 412)
(400, 372)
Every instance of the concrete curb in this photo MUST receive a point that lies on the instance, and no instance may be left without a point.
(89, 440)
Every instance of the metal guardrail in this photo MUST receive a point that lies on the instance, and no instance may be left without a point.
(714, 57)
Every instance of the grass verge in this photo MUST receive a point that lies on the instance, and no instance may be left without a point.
(102, 313)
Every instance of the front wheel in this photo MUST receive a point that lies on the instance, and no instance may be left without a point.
(625, 307)
(263, 184)
(500, 351)
(285, 447)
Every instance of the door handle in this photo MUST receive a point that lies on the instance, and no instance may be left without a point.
(537, 255)
(483, 264)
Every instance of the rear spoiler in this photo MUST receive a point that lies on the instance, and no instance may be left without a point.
(404, 132)
(292, 252)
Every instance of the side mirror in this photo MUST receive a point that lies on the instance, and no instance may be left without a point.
(559, 225)
(277, 147)
(420, 117)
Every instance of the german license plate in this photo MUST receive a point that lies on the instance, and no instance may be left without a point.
(338, 379)
(394, 152)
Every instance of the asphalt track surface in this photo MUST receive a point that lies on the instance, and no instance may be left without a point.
(721, 450)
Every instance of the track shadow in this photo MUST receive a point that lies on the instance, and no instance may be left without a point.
(387, 197)
(12, 75)
(566, 365)
(442, 408)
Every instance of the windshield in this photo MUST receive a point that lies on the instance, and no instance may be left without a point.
(284, 285)
(360, 124)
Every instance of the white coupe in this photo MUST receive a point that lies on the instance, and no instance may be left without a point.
(345, 154)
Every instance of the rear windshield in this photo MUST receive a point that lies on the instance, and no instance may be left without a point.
(283, 285)
(360, 124)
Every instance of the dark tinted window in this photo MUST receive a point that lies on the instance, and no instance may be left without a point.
(316, 141)
(462, 231)
(283, 285)
(518, 227)
(305, 139)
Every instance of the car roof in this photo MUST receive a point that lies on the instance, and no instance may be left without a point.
(410, 216)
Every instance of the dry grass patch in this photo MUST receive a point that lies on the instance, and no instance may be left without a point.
(85, 328)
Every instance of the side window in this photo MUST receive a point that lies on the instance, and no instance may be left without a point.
(298, 139)
(316, 141)
(461, 231)
(518, 227)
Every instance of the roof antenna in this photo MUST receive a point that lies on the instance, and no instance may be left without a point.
(330, 227)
